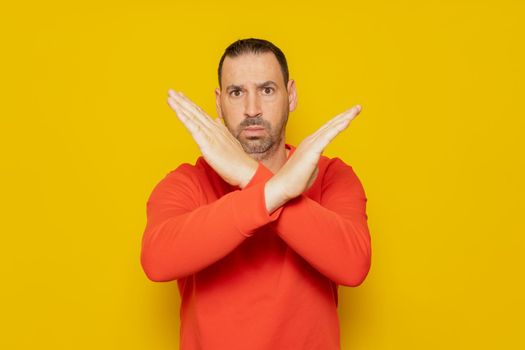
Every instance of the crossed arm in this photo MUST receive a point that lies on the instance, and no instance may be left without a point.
(183, 236)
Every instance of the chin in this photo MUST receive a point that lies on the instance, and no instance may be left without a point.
(257, 145)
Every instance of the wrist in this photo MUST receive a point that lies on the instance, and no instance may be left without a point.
(248, 173)
(274, 190)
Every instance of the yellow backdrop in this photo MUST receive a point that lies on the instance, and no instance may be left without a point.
(86, 133)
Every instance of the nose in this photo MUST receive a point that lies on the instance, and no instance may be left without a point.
(252, 107)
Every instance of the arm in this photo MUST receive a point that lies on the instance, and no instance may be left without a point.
(338, 246)
(333, 235)
(182, 236)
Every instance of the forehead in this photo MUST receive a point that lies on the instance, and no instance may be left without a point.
(251, 69)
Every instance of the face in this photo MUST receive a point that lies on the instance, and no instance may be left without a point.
(254, 102)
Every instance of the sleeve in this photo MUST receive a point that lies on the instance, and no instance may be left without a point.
(183, 235)
(332, 235)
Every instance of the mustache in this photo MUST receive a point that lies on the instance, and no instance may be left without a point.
(258, 121)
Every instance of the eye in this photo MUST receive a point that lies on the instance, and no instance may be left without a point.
(235, 93)
(268, 90)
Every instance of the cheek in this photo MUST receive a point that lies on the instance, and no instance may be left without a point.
(275, 108)
(232, 107)
(232, 116)
(228, 110)
(234, 102)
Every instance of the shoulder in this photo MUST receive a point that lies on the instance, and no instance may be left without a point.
(185, 177)
(338, 173)
(340, 184)
(334, 166)
(187, 171)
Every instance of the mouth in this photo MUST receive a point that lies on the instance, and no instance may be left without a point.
(253, 130)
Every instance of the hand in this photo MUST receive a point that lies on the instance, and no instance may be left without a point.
(300, 171)
(221, 150)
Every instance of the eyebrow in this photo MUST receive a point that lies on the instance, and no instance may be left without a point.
(239, 87)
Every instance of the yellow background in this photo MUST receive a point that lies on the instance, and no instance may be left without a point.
(86, 133)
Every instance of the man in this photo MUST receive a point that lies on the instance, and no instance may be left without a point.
(258, 233)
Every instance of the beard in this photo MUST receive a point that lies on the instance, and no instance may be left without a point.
(262, 146)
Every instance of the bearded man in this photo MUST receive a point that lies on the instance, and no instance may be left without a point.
(258, 233)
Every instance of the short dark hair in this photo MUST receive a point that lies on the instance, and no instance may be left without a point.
(255, 46)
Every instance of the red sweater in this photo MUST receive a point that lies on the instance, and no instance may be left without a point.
(253, 280)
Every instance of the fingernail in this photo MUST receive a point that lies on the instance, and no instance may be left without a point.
(358, 107)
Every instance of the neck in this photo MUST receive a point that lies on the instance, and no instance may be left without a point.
(276, 159)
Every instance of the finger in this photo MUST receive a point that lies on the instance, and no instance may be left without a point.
(181, 114)
(225, 131)
(202, 120)
(185, 103)
(218, 121)
(209, 129)
(190, 115)
(323, 139)
(175, 107)
(188, 122)
(191, 103)
(348, 114)
(337, 127)
(191, 108)
(334, 128)
(346, 118)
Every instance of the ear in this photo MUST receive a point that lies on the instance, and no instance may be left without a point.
(218, 102)
(292, 95)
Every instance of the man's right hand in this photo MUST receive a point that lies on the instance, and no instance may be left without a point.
(300, 171)
(222, 151)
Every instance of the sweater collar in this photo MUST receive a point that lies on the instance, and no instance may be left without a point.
(291, 148)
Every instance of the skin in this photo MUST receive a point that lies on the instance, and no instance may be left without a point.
(253, 94)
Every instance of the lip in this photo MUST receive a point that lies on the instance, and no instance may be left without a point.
(254, 128)
(253, 131)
